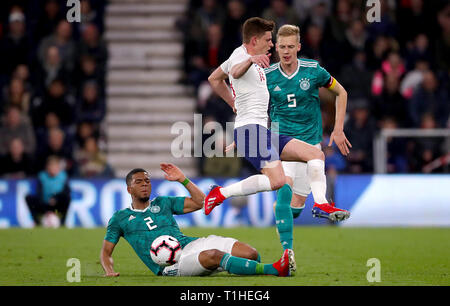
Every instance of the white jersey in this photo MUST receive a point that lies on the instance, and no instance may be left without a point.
(250, 90)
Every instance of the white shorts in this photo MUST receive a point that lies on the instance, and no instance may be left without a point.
(189, 265)
(297, 171)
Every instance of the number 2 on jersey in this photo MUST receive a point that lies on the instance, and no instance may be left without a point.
(292, 101)
(149, 222)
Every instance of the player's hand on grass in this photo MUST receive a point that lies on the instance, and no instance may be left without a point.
(262, 60)
(173, 173)
(338, 137)
(111, 274)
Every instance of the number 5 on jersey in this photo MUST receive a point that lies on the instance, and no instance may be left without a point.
(149, 223)
(292, 101)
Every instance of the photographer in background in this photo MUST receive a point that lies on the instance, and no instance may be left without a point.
(52, 194)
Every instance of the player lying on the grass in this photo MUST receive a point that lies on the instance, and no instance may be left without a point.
(294, 85)
(146, 219)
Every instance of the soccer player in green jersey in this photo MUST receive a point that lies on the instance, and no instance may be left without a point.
(146, 219)
(295, 107)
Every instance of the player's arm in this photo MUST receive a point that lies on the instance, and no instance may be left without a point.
(240, 69)
(338, 135)
(106, 258)
(220, 87)
(193, 203)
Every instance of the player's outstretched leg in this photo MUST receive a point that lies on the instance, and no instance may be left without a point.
(213, 259)
(250, 185)
(243, 266)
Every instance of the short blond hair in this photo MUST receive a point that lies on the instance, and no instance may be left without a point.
(289, 30)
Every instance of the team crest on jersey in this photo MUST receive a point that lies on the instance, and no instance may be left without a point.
(304, 84)
(155, 209)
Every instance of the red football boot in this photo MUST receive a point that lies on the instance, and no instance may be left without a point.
(213, 199)
(330, 212)
(282, 265)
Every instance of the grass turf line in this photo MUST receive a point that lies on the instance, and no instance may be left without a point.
(325, 256)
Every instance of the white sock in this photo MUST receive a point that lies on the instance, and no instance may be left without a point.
(250, 185)
(316, 175)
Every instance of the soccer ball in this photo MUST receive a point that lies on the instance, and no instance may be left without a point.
(165, 250)
(50, 220)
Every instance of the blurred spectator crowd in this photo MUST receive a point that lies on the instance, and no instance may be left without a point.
(396, 71)
(52, 88)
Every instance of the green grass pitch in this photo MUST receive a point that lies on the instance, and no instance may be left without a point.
(325, 256)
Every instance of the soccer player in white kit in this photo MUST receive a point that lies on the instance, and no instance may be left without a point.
(265, 149)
